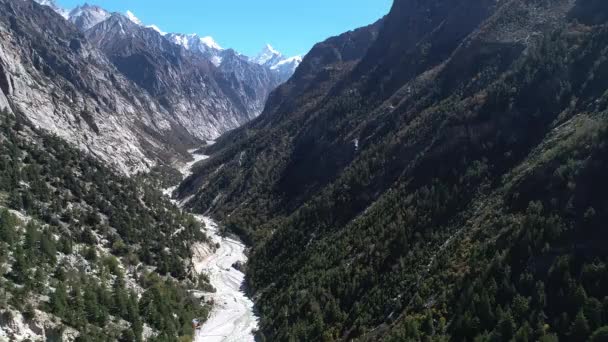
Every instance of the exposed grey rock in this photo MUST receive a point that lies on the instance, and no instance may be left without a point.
(87, 16)
(65, 85)
(121, 91)
(199, 97)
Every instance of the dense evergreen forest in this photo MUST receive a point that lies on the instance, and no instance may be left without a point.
(107, 255)
(449, 186)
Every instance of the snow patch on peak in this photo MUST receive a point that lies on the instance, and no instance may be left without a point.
(205, 45)
(271, 50)
(87, 16)
(178, 39)
(291, 60)
(210, 42)
(274, 60)
(267, 55)
(157, 29)
(132, 17)
(51, 3)
(194, 42)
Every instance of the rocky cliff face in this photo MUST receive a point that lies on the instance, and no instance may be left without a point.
(119, 89)
(198, 96)
(86, 16)
(283, 67)
(253, 83)
(253, 79)
(204, 46)
(65, 85)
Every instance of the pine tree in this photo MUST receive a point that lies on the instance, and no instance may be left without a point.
(506, 326)
(15, 201)
(600, 335)
(120, 298)
(428, 326)
(39, 280)
(65, 245)
(580, 297)
(127, 336)
(59, 300)
(94, 311)
(580, 328)
(77, 315)
(8, 224)
(524, 333)
(47, 248)
(593, 312)
(133, 316)
(21, 268)
(31, 244)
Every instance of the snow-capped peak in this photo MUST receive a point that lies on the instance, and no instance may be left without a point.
(268, 55)
(194, 42)
(157, 29)
(132, 17)
(273, 59)
(293, 61)
(51, 3)
(210, 42)
(269, 49)
(87, 16)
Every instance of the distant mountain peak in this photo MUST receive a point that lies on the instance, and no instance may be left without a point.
(87, 16)
(51, 3)
(210, 42)
(157, 29)
(193, 41)
(286, 61)
(133, 18)
(268, 48)
(275, 61)
(267, 55)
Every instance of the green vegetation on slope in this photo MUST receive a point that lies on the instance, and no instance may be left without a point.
(472, 207)
(104, 253)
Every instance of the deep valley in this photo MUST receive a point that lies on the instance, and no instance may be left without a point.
(437, 175)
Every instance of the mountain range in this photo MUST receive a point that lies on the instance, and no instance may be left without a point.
(170, 97)
(438, 175)
(86, 16)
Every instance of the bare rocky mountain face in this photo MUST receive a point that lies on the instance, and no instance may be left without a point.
(249, 80)
(252, 82)
(119, 89)
(198, 95)
(272, 59)
(253, 77)
(63, 84)
(87, 16)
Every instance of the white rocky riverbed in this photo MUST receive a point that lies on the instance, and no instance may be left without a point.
(232, 317)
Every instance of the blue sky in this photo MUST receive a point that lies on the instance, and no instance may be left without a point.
(292, 27)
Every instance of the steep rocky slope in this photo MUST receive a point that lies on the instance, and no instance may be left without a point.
(66, 86)
(120, 90)
(197, 95)
(250, 78)
(441, 181)
(86, 16)
(283, 67)
(251, 82)
(87, 254)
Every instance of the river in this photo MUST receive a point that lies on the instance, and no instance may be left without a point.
(232, 318)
